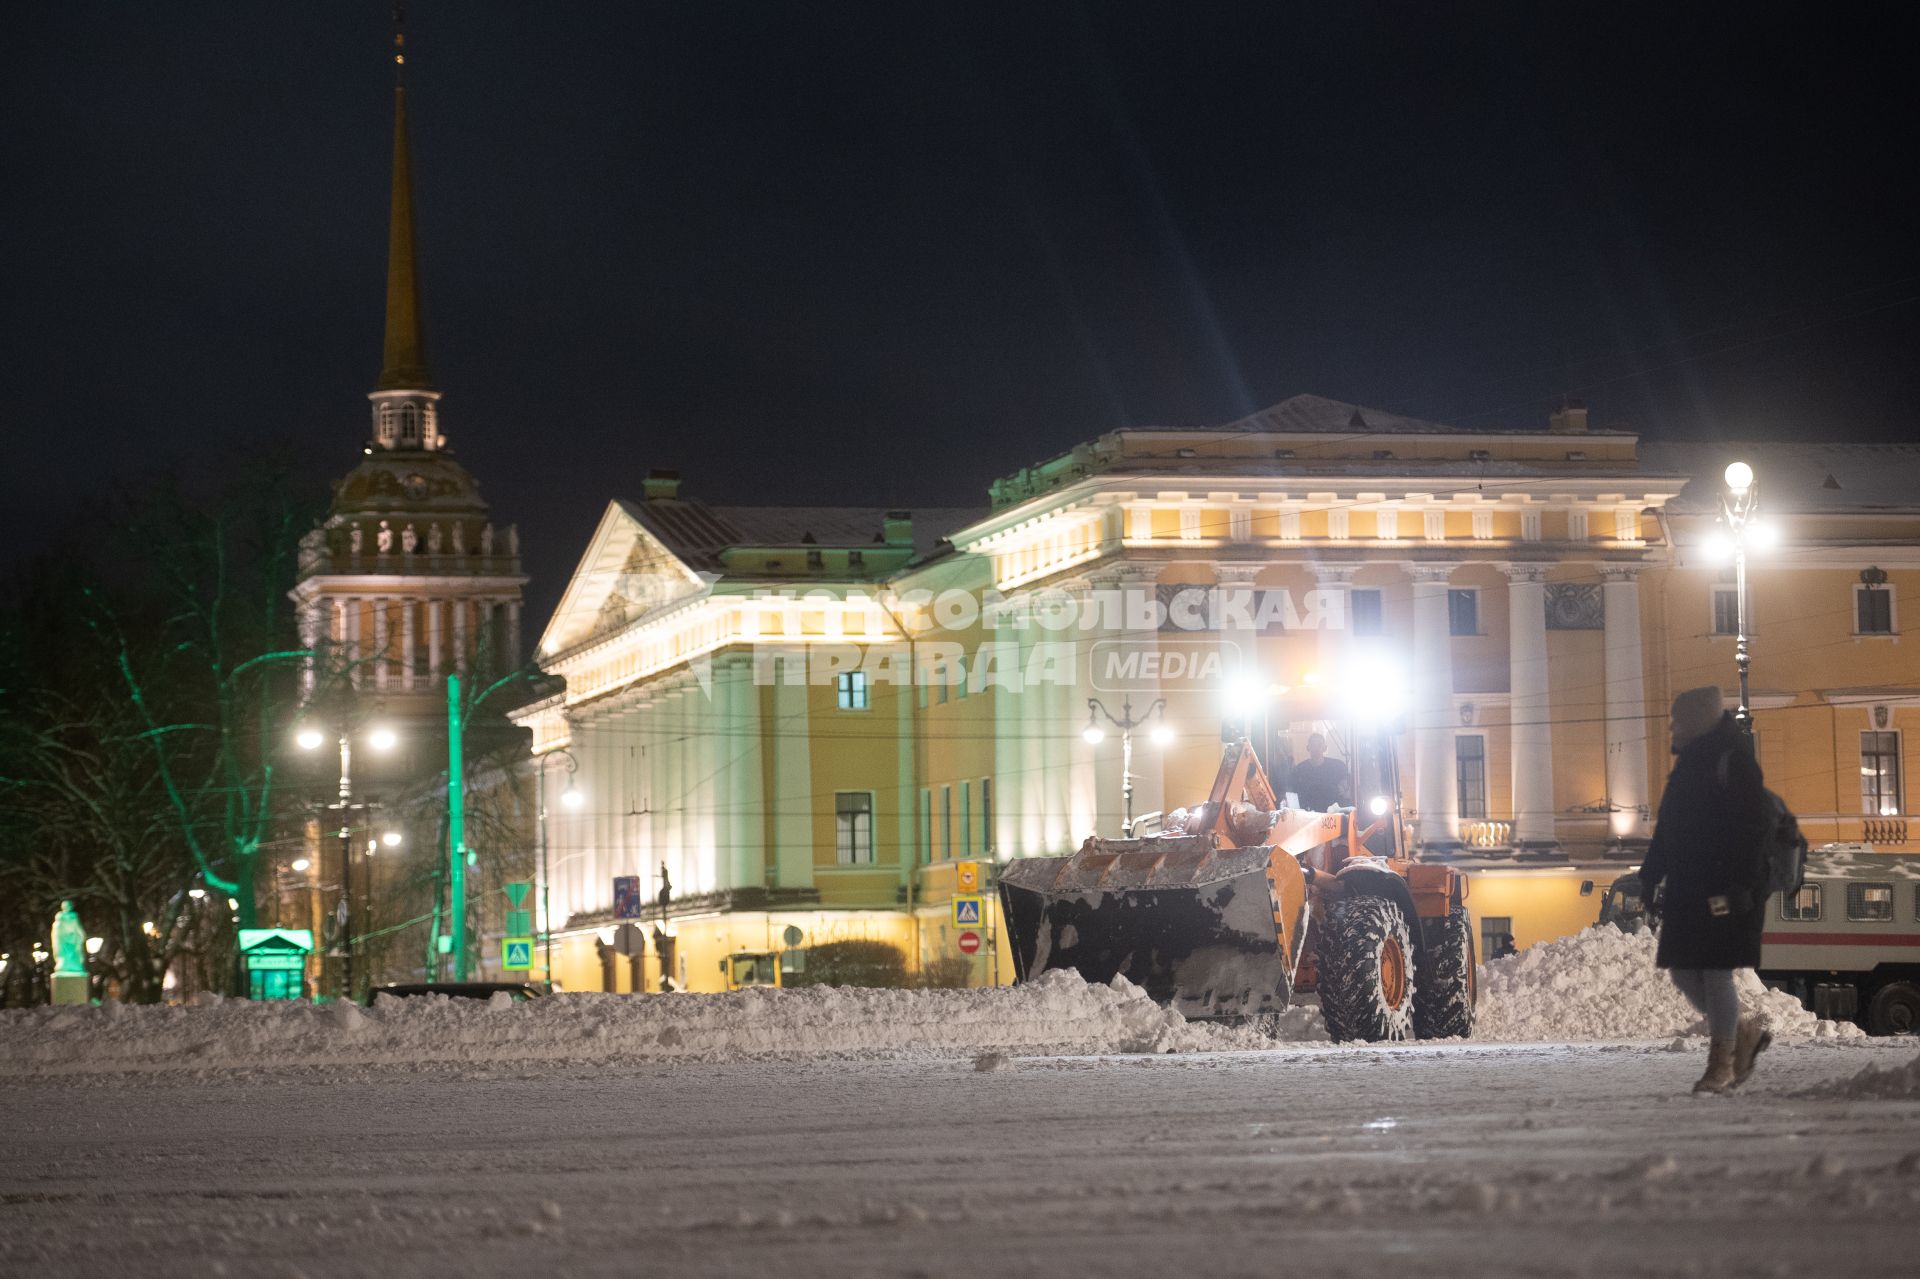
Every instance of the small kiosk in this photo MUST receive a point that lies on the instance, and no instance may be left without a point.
(275, 961)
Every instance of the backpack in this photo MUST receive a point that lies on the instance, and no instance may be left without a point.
(1783, 846)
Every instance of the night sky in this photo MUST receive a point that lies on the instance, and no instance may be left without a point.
(882, 253)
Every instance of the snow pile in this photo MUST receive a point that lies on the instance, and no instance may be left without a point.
(1602, 984)
(1059, 1013)
(1890, 1083)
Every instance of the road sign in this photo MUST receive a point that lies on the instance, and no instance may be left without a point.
(516, 954)
(517, 892)
(969, 943)
(519, 923)
(966, 877)
(630, 940)
(967, 912)
(626, 897)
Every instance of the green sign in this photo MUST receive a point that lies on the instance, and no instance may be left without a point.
(516, 954)
(517, 891)
(519, 923)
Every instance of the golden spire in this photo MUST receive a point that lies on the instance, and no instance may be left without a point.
(405, 365)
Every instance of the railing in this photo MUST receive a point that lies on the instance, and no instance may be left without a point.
(1885, 830)
(1486, 834)
(412, 564)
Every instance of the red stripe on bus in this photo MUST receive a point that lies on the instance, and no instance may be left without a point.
(1840, 939)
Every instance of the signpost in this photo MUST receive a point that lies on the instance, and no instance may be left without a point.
(519, 919)
(516, 954)
(969, 943)
(968, 911)
(626, 897)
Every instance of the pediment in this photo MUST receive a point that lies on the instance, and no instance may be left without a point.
(625, 574)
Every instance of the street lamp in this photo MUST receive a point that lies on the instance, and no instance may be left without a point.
(1739, 512)
(380, 738)
(569, 798)
(1126, 723)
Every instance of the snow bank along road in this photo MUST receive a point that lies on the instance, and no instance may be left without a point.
(1454, 1159)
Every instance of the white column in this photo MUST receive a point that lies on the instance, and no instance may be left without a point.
(676, 748)
(1626, 704)
(382, 658)
(513, 634)
(1136, 586)
(356, 626)
(1077, 788)
(1436, 795)
(311, 617)
(738, 825)
(434, 609)
(793, 781)
(1529, 707)
(407, 649)
(459, 607)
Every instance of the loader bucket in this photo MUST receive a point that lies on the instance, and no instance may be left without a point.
(1192, 925)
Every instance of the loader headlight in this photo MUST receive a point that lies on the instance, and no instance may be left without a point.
(1377, 806)
(1376, 690)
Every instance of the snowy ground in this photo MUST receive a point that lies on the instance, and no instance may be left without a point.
(1056, 1129)
(1458, 1159)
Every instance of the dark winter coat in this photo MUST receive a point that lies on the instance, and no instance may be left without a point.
(1710, 841)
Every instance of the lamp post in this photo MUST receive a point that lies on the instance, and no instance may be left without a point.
(1739, 511)
(1126, 723)
(570, 798)
(382, 739)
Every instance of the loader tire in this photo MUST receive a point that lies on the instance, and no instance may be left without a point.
(1366, 971)
(1449, 985)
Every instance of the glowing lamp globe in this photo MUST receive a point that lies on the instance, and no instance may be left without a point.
(1739, 476)
(309, 739)
(382, 739)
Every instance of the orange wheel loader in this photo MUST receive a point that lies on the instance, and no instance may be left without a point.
(1240, 903)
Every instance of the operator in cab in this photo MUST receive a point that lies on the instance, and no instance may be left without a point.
(1321, 782)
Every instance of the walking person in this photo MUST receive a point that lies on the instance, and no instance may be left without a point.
(1709, 851)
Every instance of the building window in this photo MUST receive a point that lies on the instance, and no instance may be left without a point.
(1496, 936)
(986, 814)
(1463, 612)
(1872, 610)
(946, 822)
(409, 423)
(1470, 773)
(815, 561)
(856, 561)
(1726, 610)
(926, 824)
(966, 816)
(960, 676)
(853, 690)
(1368, 615)
(1880, 774)
(853, 827)
(1869, 903)
(1803, 907)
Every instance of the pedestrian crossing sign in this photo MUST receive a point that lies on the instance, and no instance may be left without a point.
(967, 911)
(516, 954)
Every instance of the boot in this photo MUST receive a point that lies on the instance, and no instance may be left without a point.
(1719, 1076)
(1754, 1038)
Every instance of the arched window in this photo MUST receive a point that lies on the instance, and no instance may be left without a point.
(430, 430)
(409, 423)
(385, 430)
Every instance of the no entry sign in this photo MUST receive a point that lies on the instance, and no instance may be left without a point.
(969, 942)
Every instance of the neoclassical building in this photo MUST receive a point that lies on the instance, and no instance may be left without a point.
(808, 724)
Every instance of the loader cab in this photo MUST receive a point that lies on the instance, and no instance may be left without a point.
(1624, 906)
(1376, 794)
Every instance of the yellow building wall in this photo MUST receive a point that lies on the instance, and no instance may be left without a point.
(1543, 905)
